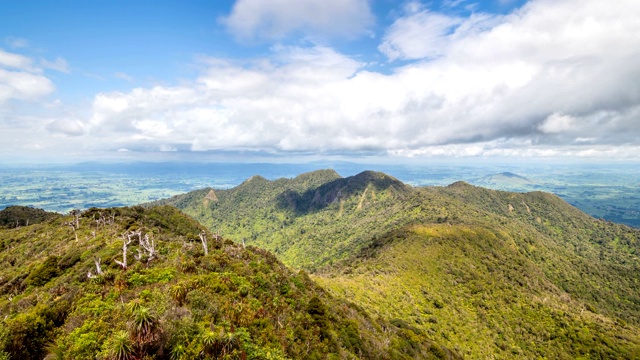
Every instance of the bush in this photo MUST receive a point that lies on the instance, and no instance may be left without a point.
(69, 259)
(28, 336)
(43, 272)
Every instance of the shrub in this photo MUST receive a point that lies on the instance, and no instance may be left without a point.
(43, 272)
(119, 346)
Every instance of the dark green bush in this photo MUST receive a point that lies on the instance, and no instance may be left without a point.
(43, 272)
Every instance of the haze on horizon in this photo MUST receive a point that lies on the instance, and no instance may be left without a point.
(310, 79)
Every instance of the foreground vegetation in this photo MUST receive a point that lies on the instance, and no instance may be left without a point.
(134, 283)
(491, 274)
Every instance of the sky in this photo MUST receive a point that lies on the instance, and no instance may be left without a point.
(298, 80)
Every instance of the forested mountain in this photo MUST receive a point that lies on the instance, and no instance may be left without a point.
(136, 283)
(16, 216)
(491, 274)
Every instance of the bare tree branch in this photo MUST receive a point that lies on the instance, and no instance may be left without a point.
(149, 247)
(73, 226)
(99, 272)
(203, 239)
(127, 238)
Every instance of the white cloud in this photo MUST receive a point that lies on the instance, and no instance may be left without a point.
(424, 34)
(59, 64)
(421, 34)
(277, 18)
(547, 75)
(554, 78)
(20, 80)
(70, 127)
(15, 61)
(557, 123)
(23, 85)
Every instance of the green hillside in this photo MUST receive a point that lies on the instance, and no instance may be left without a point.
(489, 273)
(470, 288)
(309, 221)
(67, 291)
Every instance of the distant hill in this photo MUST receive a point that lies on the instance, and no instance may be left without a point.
(140, 284)
(505, 180)
(16, 216)
(491, 274)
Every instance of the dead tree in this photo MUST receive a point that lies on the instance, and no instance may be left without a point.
(99, 221)
(76, 217)
(203, 239)
(127, 238)
(73, 226)
(149, 247)
(99, 272)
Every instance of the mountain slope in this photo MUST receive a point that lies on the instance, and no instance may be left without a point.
(588, 258)
(470, 288)
(300, 219)
(69, 292)
(517, 270)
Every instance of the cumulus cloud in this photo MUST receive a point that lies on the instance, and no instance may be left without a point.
(23, 85)
(15, 61)
(278, 18)
(20, 80)
(552, 78)
(557, 123)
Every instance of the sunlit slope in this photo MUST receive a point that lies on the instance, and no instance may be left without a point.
(595, 260)
(172, 298)
(472, 288)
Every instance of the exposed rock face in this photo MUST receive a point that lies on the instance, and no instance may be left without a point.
(211, 196)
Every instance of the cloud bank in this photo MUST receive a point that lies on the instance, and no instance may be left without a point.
(553, 78)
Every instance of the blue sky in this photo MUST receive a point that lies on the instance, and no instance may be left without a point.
(319, 79)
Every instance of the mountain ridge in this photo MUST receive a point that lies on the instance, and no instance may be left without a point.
(572, 257)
